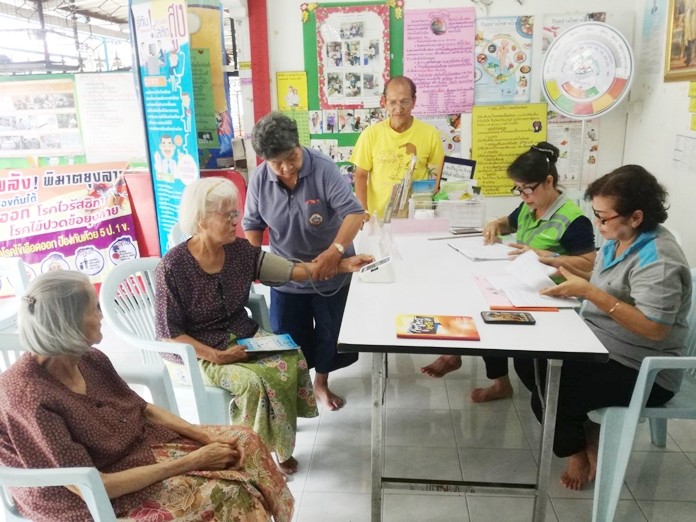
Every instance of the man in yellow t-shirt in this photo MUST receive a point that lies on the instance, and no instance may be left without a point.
(383, 153)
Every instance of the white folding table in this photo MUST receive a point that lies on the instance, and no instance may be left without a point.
(433, 279)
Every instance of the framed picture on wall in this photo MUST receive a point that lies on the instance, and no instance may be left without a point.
(680, 55)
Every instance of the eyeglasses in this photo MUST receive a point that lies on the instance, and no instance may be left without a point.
(229, 216)
(404, 104)
(527, 191)
(603, 220)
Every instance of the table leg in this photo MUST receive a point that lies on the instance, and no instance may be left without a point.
(377, 433)
(553, 378)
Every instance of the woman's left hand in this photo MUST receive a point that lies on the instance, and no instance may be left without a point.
(573, 286)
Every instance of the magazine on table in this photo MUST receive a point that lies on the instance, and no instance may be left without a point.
(451, 327)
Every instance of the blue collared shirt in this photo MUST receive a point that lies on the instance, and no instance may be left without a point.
(303, 222)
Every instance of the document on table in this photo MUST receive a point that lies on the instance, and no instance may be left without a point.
(527, 277)
(481, 252)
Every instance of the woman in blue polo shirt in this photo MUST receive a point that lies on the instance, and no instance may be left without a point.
(636, 303)
(312, 215)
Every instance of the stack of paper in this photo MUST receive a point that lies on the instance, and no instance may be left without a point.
(526, 277)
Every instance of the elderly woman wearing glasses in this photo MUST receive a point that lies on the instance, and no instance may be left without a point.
(547, 222)
(202, 287)
(636, 302)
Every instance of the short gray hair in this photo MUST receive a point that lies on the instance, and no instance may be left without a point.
(202, 197)
(274, 135)
(52, 312)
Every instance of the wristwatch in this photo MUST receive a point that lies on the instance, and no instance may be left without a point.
(340, 248)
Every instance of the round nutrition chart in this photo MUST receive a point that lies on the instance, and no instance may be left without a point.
(587, 70)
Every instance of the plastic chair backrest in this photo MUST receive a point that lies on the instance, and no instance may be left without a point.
(690, 349)
(127, 300)
(13, 272)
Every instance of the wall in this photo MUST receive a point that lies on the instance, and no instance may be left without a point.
(641, 130)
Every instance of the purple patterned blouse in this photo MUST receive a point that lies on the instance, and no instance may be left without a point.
(208, 307)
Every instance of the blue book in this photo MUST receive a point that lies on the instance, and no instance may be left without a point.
(270, 343)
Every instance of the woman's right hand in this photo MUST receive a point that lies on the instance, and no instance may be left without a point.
(217, 456)
(354, 263)
(491, 232)
(233, 354)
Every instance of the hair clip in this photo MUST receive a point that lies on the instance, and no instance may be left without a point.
(31, 301)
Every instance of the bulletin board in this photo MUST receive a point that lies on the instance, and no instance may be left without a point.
(356, 47)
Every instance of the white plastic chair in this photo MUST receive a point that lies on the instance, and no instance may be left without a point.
(14, 273)
(619, 424)
(127, 301)
(86, 479)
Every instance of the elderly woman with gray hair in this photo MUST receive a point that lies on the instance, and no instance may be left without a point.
(63, 405)
(202, 286)
(312, 214)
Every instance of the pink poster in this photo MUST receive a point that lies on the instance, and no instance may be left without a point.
(72, 217)
(439, 58)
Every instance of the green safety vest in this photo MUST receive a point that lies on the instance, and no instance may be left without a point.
(546, 234)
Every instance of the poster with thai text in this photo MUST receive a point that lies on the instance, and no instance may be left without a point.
(291, 88)
(352, 55)
(439, 58)
(74, 217)
(108, 97)
(554, 25)
(503, 69)
(500, 134)
(164, 58)
(204, 103)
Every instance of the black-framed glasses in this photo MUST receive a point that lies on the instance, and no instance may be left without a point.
(527, 191)
(603, 220)
(229, 216)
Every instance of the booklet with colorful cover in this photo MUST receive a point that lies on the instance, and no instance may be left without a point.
(270, 343)
(452, 327)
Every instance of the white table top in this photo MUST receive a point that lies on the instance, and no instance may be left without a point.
(433, 279)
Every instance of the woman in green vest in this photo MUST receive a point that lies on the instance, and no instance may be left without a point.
(547, 222)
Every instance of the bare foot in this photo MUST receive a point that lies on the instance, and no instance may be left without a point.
(577, 474)
(500, 389)
(330, 399)
(442, 366)
(288, 467)
(322, 392)
(592, 446)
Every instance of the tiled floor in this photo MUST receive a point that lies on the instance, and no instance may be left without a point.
(434, 432)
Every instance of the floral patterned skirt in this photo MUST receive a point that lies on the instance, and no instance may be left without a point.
(255, 493)
(269, 393)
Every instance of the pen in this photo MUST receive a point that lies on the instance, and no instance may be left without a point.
(455, 248)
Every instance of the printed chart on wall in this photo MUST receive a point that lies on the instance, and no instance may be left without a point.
(352, 55)
(438, 57)
(578, 143)
(67, 218)
(39, 123)
(577, 156)
(500, 134)
(587, 70)
(503, 69)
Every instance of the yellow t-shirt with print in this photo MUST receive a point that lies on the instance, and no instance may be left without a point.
(386, 155)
